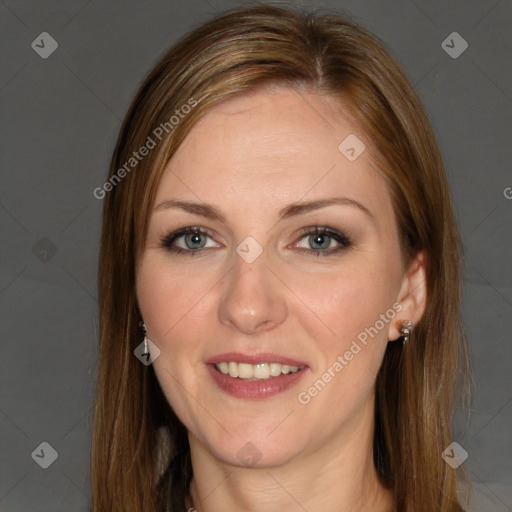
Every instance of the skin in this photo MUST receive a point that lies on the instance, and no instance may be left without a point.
(250, 157)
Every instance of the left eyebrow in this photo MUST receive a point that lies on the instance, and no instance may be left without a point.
(304, 207)
(210, 212)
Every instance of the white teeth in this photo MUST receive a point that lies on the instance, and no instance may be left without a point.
(233, 369)
(245, 371)
(224, 368)
(275, 369)
(258, 371)
(261, 371)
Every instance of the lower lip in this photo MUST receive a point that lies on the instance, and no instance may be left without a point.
(254, 389)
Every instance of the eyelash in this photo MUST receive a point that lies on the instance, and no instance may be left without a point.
(344, 240)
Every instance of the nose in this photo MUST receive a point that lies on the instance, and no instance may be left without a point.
(253, 299)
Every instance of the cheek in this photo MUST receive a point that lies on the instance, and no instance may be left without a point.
(166, 297)
(171, 305)
(352, 337)
(349, 303)
(349, 300)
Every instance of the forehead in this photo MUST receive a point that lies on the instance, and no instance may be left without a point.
(273, 146)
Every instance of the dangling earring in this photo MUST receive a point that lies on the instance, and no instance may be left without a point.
(406, 328)
(146, 348)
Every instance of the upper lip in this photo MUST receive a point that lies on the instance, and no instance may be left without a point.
(263, 357)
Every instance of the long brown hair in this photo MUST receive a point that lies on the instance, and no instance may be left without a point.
(235, 53)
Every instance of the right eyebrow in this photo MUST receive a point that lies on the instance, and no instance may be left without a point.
(202, 209)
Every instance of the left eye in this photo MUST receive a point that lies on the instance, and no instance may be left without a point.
(321, 238)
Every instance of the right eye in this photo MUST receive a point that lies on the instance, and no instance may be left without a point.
(194, 240)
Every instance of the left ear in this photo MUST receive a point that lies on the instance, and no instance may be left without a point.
(412, 296)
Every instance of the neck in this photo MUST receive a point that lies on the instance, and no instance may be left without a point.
(338, 477)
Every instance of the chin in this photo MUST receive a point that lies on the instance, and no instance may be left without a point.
(247, 448)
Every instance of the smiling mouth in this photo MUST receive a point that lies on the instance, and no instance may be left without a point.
(255, 372)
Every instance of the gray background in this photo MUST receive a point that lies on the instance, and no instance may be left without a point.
(60, 118)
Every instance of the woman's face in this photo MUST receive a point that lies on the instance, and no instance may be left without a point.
(263, 287)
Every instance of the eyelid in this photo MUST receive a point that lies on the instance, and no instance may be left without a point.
(324, 230)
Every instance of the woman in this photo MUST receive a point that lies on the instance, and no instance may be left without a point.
(279, 251)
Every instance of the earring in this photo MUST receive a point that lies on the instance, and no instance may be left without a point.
(146, 348)
(406, 328)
